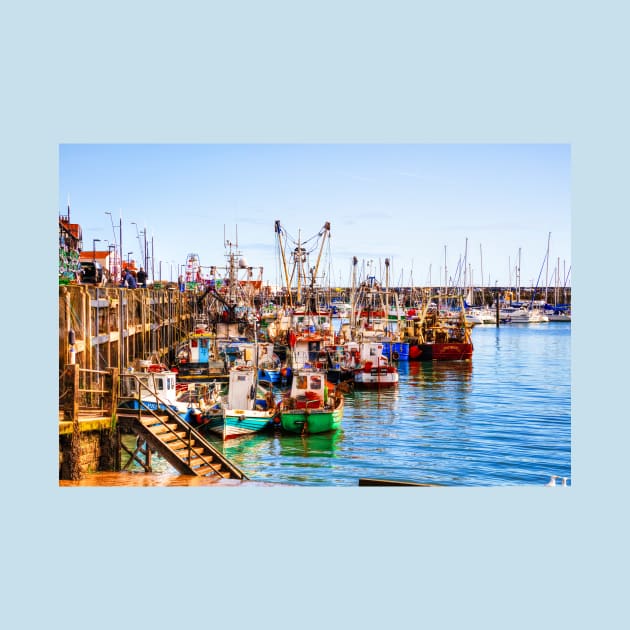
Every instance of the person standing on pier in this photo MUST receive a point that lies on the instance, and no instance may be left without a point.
(180, 283)
(142, 278)
(128, 280)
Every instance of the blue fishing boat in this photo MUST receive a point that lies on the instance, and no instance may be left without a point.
(248, 408)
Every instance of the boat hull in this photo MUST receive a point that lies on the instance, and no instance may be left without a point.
(375, 378)
(440, 351)
(307, 421)
(235, 424)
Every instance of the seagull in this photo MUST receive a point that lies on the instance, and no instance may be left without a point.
(552, 481)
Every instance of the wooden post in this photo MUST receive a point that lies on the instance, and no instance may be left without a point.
(111, 392)
(71, 387)
(71, 412)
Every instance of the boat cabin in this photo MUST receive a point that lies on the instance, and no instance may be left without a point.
(198, 354)
(309, 389)
(364, 352)
(150, 381)
(243, 390)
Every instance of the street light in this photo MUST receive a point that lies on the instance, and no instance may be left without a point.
(128, 255)
(142, 244)
(119, 244)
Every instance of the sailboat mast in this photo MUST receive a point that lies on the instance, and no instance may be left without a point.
(547, 269)
(465, 265)
(518, 277)
(483, 300)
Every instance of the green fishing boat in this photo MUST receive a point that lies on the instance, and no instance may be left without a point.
(311, 406)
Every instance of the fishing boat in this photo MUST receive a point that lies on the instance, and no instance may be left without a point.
(197, 357)
(378, 374)
(370, 367)
(311, 406)
(155, 387)
(435, 338)
(248, 408)
(270, 369)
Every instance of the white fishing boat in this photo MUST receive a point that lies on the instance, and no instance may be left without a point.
(371, 368)
(155, 387)
(247, 408)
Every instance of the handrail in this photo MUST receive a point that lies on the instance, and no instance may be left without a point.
(181, 425)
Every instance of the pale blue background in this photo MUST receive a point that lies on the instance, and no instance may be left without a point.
(343, 72)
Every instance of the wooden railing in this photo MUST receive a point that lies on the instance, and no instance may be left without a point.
(82, 390)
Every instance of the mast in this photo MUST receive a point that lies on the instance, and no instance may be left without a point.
(483, 301)
(353, 298)
(387, 287)
(465, 265)
(278, 230)
(445, 277)
(298, 253)
(547, 271)
(518, 277)
(324, 232)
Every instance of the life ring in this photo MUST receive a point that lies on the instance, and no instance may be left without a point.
(395, 356)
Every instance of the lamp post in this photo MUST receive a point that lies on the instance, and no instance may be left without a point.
(142, 243)
(128, 257)
(96, 280)
(119, 244)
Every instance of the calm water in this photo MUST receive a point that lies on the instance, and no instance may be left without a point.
(504, 419)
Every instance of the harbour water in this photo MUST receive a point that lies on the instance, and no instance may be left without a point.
(502, 419)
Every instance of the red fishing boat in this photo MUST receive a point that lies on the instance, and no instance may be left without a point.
(433, 337)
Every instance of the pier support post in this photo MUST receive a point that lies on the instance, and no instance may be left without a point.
(71, 412)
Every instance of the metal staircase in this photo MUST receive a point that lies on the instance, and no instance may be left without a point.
(167, 433)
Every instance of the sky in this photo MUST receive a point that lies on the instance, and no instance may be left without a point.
(424, 207)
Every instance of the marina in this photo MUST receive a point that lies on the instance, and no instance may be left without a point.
(502, 418)
(232, 372)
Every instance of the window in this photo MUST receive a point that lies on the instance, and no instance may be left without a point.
(316, 382)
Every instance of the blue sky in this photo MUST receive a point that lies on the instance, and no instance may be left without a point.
(411, 203)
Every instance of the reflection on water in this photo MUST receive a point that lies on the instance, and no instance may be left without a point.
(441, 374)
(149, 479)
